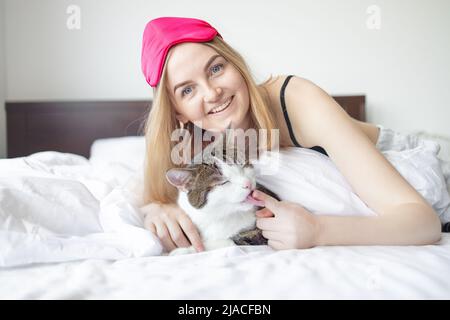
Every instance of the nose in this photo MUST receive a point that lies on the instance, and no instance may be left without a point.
(247, 185)
(212, 94)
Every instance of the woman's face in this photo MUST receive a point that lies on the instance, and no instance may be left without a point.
(201, 84)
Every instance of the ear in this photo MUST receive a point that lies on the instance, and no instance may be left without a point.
(218, 162)
(179, 178)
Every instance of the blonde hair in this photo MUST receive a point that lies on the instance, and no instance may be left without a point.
(161, 122)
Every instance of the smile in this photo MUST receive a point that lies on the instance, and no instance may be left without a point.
(222, 107)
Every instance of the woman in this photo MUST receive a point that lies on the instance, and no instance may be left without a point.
(201, 81)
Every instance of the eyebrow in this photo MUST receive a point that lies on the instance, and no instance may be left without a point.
(204, 69)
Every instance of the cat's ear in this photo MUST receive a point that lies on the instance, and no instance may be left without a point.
(218, 162)
(179, 177)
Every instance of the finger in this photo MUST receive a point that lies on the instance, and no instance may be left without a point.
(269, 202)
(177, 234)
(191, 232)
(266, 224)
(271, 235)
(164, 236)
(275, 244)
(151, 227)
(264, 213)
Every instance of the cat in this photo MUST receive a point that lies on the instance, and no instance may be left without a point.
(217, 196)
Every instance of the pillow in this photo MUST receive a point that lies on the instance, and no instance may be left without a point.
(123, 151)
(392, 140)
(311, 179)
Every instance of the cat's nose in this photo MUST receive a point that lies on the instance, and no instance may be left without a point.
(247, 185)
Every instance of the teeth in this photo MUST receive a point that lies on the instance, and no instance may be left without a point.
(221, 107)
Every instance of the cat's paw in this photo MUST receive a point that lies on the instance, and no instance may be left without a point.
(217, 244)
(180, 251)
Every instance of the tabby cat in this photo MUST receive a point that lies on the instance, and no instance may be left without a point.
(217, 196)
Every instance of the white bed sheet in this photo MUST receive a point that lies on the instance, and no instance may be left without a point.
(358, 272)
(117, 252)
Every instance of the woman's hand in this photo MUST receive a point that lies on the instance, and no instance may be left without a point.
(172, 226)
(286, 225)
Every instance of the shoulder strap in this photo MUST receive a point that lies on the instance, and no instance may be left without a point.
(288, 122)
(286, 116)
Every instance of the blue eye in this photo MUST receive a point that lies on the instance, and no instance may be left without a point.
(184, 91)
(217, 66)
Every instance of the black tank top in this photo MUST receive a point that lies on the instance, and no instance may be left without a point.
(288, 122)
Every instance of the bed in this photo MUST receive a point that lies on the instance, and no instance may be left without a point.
(93, 151)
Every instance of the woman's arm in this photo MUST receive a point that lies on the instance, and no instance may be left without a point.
(369, 129)
(403, 224)
(404, 216)
(287, 225)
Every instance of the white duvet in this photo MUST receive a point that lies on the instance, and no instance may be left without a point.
(57, 207)
(357, 272)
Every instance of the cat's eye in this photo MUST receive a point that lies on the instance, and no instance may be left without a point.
(221, 183)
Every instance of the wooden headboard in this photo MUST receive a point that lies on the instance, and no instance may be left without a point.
(73, 126)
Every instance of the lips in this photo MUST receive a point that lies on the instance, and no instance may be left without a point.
(222, 108)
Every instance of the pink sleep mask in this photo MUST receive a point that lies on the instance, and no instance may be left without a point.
(161, 34)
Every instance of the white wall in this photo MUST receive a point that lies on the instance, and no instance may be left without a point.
(403, 68)
(2, 83)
